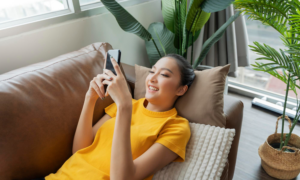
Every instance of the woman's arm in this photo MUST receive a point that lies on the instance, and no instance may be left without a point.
(84, 132)
(122, 165)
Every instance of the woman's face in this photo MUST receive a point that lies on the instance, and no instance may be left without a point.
(165, 77)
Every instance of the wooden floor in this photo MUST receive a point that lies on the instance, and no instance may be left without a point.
(257, 125)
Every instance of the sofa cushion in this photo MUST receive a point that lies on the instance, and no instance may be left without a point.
(40, 106)
(206, 155)
(203, 102)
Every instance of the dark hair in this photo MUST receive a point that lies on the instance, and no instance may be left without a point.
(186, 70)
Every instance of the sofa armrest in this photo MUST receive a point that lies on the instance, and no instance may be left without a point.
(233, 110)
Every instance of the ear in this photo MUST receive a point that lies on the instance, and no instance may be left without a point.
(182, 90)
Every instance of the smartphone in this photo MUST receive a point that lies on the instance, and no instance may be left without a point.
(116, 54)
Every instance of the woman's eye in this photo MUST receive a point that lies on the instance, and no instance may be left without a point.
(161, 74)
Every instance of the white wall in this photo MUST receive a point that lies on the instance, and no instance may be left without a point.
(49, 42)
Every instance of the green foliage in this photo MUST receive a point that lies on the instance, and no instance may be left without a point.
(165, 39)
(180, 30)
(213, 39)
(211, 6)
(125, 20)
(283, 16)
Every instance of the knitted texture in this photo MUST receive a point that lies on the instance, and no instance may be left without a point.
(206, 155)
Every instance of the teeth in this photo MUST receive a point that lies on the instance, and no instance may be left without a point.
(153, 88)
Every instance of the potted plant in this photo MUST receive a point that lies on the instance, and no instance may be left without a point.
(280, 153)
(181, 27)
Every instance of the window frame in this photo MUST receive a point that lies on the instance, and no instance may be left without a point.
(254, 92)
(74, 12)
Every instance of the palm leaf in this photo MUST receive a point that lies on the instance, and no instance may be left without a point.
(280, 58)
(125, 20)
(270, 12)
(213, 39)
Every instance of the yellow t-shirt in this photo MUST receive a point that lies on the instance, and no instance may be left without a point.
(147, 127)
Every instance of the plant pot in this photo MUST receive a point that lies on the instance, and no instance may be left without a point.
(277, 163)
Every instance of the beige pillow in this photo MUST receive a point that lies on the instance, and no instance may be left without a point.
(204, 100)
(206, 154)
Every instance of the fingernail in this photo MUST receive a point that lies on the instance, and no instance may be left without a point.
(102, 98)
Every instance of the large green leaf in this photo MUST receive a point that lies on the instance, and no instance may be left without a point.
(158, 29)
(213, 39)
(196, 17)
(168, 13)
(211, 6)
(190, 42)
(194, 21)
(179, 19)
(125, 20)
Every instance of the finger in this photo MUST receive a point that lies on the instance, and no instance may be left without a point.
(108, 84)
(109, 73)
(99, 78)
(96, 88)
(103, 76)
(116, 66)
(100, 86)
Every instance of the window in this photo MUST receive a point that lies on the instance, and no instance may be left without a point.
(17, 9)
(257, 79)
(85, 2)
(19, 16)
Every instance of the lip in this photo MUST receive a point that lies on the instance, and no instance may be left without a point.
(150, 90)
(153, 86)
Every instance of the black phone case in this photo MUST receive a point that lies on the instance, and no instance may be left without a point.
(109, 64)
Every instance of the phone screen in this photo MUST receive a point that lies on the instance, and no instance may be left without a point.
(116, 53)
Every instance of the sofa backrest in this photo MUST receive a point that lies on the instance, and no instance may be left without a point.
(40, 106)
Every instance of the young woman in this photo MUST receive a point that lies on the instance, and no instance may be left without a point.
(135, 138)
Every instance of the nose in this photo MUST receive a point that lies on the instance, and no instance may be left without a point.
(153, 78)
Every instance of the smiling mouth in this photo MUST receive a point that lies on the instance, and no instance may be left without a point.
(152, 88)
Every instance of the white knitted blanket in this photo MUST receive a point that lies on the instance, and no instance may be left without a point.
(206, 155)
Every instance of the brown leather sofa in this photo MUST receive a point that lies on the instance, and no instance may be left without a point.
(40, 105)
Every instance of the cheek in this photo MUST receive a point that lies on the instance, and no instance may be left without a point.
(167, 85)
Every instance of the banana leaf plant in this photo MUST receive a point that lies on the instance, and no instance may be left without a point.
(181, 27)
(283, 16)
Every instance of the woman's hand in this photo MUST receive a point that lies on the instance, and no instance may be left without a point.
(96, 88)
(117, 87)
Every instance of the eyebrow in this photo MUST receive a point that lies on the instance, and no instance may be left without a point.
(163, 68)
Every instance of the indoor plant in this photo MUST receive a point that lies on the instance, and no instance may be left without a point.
(181, 27)
(283, 16)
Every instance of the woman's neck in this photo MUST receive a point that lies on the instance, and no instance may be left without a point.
(155, 108)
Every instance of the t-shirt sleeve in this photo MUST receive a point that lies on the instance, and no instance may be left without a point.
(175, 136)
(111, 110)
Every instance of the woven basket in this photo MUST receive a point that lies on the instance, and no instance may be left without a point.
(279, 164)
